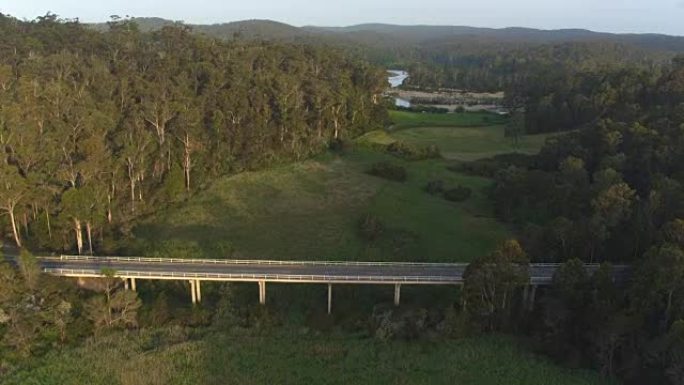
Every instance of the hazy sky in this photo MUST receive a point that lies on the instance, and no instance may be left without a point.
(662, 16)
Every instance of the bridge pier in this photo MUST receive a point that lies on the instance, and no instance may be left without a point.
(262, 292)
(329, 298)
(533, 292)
(397, 293)
(133, 284)
(125, 283)
(528, 297)
(193, 292)
(198, 290)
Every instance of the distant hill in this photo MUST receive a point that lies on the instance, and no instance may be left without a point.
(253, 29)
(273, 30)
(387, 43)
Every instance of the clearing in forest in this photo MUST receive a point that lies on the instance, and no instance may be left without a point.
(463, 136)
(312, 209)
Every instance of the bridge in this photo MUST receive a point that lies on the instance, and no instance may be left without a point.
(195, 271)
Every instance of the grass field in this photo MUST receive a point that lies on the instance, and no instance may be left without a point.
(144, 359)
(406, 119)
(311, 209)
(459, 136)
(470, 143)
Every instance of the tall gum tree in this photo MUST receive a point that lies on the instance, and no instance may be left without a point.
(13, 189)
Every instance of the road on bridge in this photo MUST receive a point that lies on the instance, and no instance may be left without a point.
(262, 271)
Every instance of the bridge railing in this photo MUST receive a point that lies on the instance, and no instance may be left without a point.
(257, 277)
(86, 258)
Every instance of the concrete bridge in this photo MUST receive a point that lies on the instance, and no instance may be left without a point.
(194, 271)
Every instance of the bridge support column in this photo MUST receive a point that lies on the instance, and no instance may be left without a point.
(329, 298)
(533, 292)
(198, 290)
(397, 293)
(133, 284)
(125, 283)
(193, 292)
(262, 292)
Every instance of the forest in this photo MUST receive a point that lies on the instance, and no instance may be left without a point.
(99, 128)
(609, 192)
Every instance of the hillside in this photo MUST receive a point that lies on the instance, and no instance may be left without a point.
(401, 35)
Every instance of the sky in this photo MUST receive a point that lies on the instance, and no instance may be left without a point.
(640, 16)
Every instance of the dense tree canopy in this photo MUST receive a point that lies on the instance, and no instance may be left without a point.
(97, 127)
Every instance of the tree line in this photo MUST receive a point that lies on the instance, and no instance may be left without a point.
(97, 128)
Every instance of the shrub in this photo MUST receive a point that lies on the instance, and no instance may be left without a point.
(423, 109)
(173, 186)
(488, 167)
(388, 171)
(458, 194)
(339, 145)
(370, 227)
(409, 152)
(435, 187)
(390, 323)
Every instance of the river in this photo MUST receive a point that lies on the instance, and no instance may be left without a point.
(395, 79)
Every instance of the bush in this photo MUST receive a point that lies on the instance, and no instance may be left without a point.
(370, 227)
(458, 194)
(488, 167)
(339, 145)
(423, 109)
(389, 323)
(409, 152)
(435, 187)
(388, 171)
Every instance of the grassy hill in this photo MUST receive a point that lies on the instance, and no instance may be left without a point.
(312, 209)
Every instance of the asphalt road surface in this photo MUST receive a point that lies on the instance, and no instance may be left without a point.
(281, 271)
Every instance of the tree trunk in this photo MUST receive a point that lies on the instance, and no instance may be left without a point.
(90, 237)
(140, 190)
(336, 121)
(25, 223)
(131, 178)
(79, 235)
(187, 163)
(668, 309)
(17, 239)
(109, 208)
(47, 220)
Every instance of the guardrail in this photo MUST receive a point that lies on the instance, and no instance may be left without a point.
(87, 258)
(258, 277)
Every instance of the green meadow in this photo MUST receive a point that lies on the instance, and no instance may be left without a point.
(148, 358)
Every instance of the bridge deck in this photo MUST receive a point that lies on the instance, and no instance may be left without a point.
(277, 271)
